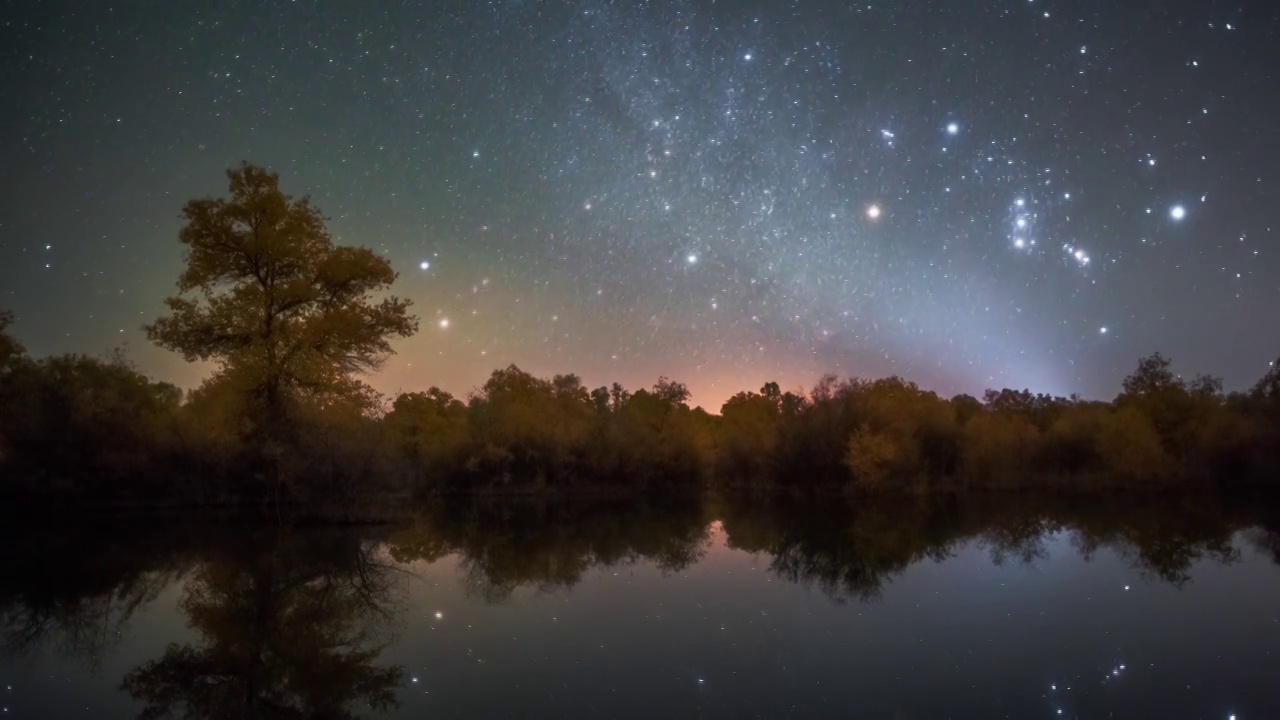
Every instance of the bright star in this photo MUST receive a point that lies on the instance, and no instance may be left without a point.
(953, 129)
(424, 265)
(1102, 330)
(691, 259)
(1178, 212)
(873, 212)
(444, 323)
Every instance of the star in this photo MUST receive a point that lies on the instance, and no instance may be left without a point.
(620, 146)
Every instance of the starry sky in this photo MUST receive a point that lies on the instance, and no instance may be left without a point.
(1022, 193)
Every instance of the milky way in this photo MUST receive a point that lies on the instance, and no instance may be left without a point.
(971, 195)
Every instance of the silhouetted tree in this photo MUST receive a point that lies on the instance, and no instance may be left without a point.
(966, 407)
(1181, 412)
(1153, 375)
(749, 425)
(77, 424)
(12, 356)
(670, 391)
(1267, 389)
(529, 430)
(11, 351)
(286, 314)
(432, 432)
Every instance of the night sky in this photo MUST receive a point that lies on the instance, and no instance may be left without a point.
(1023, 193)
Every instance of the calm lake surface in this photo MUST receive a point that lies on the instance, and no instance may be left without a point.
(983, 607)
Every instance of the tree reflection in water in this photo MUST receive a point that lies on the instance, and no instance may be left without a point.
(294, 630)
(850, 549)
(75, 593)
(291, 623)
(550, 544)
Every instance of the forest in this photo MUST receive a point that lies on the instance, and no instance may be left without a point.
(293, 324)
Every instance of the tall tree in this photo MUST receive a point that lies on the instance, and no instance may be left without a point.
(266, 293)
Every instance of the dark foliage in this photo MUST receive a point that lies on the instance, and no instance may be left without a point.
(62, 438)
(291, 320)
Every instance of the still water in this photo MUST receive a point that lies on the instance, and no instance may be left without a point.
(988, 607)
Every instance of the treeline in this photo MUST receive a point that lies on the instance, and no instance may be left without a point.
(291, 321)
(867, 435)
(97, 431)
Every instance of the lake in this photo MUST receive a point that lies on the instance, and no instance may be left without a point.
(986, 606)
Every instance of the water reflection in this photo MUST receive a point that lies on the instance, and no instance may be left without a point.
(550, 544)
(75, 592)
(295, 623)
(292, 631)
(288, 624)
(850, 550)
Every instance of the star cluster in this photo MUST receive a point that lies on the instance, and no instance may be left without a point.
(1018, 193)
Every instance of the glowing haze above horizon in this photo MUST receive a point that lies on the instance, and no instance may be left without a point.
(1020, 193)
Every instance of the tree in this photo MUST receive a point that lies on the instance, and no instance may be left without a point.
(12, 357)
(670, 392)
(999, 450)
(62, 425)
(873, 456)
(431, 432)
(1179, 410)
(1131, 449)
(268, 295)
(1153, 375)
(11, 351)
(529, 429)
(1266, 390)
(749, 434)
